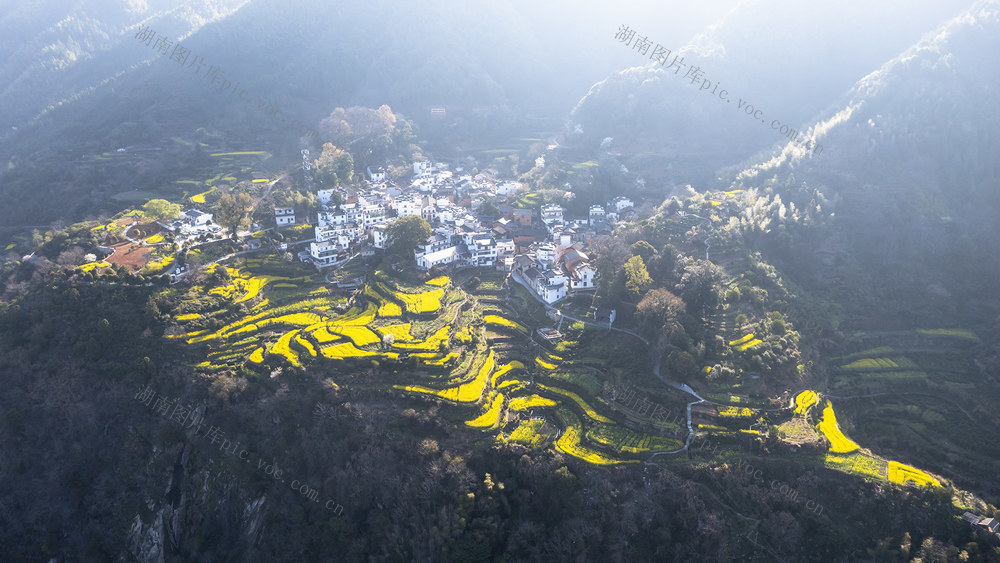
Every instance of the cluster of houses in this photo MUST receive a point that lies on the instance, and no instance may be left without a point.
(554, 272)
(192, 223)
(543, 248)
(989, 525)
(350, 224)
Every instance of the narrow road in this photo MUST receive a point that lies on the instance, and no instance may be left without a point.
(128, 238)
(680, 387)
(707, 236)
(656, 367)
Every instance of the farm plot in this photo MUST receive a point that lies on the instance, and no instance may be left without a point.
(844, 455)
(359, 335)
(839, 443)
(528, 433)
(490, 418)
(426, 302)
(504, 323)
(548, 361)
(579, 402)
(859, 464)
(346, 351)
(530, 402)
(734, 412)
(745, 343)
(804, 401)
(432, 343)
(570, 443)
(908, 475)
(957, 333)
(399, 332)
(625, 440)
(469, 392)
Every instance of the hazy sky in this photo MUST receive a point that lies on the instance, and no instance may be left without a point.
(888, 27)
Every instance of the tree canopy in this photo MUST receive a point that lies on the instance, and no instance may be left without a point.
(403, 234)
(374, 135)
(659, 307)
(701, 282)
(637, 280)
(231, 212)
(489, 209)
(160, 209)
(643, 249)
(333, 166)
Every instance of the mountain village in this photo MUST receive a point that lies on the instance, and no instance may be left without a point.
(543, 248)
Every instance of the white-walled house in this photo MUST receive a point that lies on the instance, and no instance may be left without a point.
(377, 175)
(620, 204)
(576, 266)
(407, 206)
(583, 277)
(483, 251)
(284, 216)
(507, 188)
(335, 218)
(505, 254)
(596, 214)
(325, 196)
(429, 213)
(378, 235)
(196, 218)
(327, 252)
(193, 222)
(550, 285)
(546, 254)
(368, 214)
(434, 243)
(505, 246)
(437, 258)
(422, 167)
(552, 214)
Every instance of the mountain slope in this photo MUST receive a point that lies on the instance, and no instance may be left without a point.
(482, 63)
(54, 54)
(788, 61)
(911, 146)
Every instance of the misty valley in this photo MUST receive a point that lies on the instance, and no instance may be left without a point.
(283, 281)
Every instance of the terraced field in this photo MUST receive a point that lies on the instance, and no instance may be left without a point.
(528, 433)
(804, 401)
(390, 322)
(745, 343)
(300, 328)
(292, 322)
(839, 443)
(847, 456)
(624, 440)
(570, 442)
(934, 414)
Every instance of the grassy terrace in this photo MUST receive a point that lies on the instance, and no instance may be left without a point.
(471, 350)
(261, 316)
(928, 409)
(843, 454)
